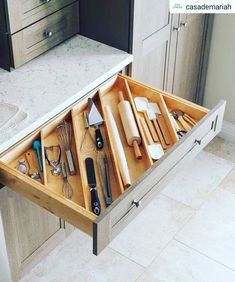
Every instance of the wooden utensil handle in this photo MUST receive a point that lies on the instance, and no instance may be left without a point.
(137, 151)
(184, 124)
(30, 157)
(164, 129)
(151, 128)
(160, 135)
(146, 131)
(189, 119)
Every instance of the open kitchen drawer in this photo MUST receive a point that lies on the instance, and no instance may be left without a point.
(147, 175)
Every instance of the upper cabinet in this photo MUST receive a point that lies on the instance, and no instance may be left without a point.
(151, 40)
(185, 55)
(167, 48)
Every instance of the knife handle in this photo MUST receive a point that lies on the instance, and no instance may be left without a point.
(95, 202)
(99, 139)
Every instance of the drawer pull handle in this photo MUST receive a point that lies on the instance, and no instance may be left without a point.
(177, 28)
(184, 24)
(137, 203)
(199, 142)
(48, 34)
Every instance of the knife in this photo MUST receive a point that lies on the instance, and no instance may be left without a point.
(91, 179)
(95, 119)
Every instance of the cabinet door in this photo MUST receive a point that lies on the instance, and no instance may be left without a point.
(151, 35)
(27, 228)
(188, 55)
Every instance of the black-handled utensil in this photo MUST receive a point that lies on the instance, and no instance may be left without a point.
(91, 179)
(108, 184)
(95, 119)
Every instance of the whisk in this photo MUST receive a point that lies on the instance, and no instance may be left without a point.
(64, 134)
(67, 188)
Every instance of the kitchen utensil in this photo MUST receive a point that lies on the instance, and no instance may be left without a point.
(37, 147)
(180, 133)
(87, 131)
(141, 104)
(129, 125)
(155, 149)
(152, 117)
(103, 167)
(91, 179)
(118, 148)
(53, 156)
(95, 120)
(33, 170)
(178, 115)
(189, 119)
(161, 122)
(64, 133)
(67, 188)
(108, 182)
(22, 166)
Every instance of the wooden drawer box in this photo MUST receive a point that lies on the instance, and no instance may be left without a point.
(147, 177)
(45, 34)
(23, 13)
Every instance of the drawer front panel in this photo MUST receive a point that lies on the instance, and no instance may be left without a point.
(23, 13)
(43, 35)
(128, 206)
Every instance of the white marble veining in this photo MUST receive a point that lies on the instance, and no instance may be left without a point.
(56, 79)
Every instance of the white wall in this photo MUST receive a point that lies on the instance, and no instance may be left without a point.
(220, 82)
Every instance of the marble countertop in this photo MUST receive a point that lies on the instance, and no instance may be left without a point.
(48, 84)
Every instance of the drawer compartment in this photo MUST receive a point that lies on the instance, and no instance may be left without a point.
(23, 13)
(147, 175)
(45, 34)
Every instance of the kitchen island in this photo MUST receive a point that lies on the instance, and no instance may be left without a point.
(40, 90)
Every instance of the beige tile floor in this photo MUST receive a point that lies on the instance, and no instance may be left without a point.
(186, 234)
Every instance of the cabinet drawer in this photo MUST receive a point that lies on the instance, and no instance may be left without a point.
(147, 176)
(23, 13)
(45, 34)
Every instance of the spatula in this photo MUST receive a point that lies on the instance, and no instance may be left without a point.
(155, 149)
(152, 117)
(141, 104)
(161, 122)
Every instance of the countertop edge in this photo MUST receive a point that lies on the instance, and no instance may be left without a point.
(29, 129)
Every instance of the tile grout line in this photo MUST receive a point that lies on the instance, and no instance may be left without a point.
(207, 197)
(142, 266)
(196, 211)
(218, 262)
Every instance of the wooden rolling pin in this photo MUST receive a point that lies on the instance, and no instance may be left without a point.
(130, 128)
(118, 148)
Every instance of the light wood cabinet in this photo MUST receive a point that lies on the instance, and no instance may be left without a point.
(30, 231)
(167, 48)
(167, 54)
(151, 40)
(185, 53)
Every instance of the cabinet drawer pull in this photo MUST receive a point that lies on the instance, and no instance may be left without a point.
(48, 34)
(184, 24)
(177, 28)
(137, 203)
(45, 1)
